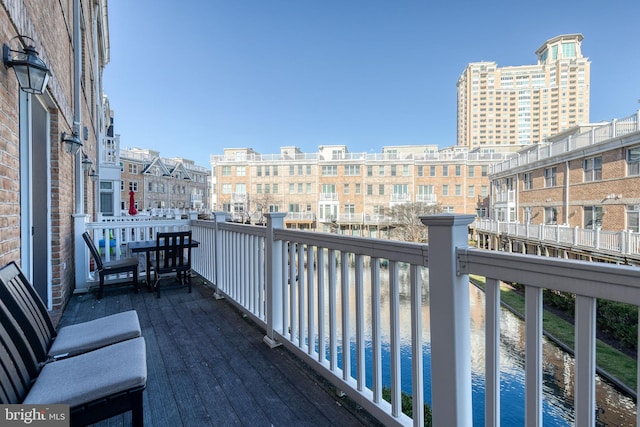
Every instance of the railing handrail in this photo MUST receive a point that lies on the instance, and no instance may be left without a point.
(269, 272)
(617, 242)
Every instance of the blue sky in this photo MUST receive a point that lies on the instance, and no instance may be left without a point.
(190, 78)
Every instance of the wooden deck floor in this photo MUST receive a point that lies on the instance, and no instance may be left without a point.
(208, 366)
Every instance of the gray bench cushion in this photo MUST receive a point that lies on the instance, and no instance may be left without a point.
(76, 339)
(91, 376)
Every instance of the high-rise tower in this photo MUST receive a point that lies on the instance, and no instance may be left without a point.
(519, 105)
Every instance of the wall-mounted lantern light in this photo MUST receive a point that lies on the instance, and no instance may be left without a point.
(93, 175)
(86, 163)
(72, 143)
(31, 71)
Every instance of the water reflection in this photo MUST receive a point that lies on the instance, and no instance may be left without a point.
(614, 409)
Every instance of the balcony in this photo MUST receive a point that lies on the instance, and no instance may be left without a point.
(272, 275)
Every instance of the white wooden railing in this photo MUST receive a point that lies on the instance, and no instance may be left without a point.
(295, 284)
(613, 242)
(593, 136)
(111, 237)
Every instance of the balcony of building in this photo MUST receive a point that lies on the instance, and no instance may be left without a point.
(304, 292)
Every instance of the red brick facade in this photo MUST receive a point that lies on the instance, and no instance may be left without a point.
(50, 25)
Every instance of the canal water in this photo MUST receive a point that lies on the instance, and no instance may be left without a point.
(614, 408)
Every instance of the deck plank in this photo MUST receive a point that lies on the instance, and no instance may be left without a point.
(207, 365)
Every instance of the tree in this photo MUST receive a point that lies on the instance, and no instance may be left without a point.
(406, 219)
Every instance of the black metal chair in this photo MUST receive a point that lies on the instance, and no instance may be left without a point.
(122, 265)
(27, 308)
(173, 254)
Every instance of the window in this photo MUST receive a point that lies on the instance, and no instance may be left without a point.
(308, 188)
(527, 179)
(294, 207)
(258, 171)
(550, 177)
(633, 218)
(349, 209)
(458, 190)
(445, 190)
(401, 189)
(381, 170)
(471, 191)
(267, 189)
(358, 188)
(405, 170)
(133, 168)
(445, 170)
(484, 190)
(420, 170)
(592, 169)
(484, 170)
(308, 169)
(226, 171)
(150, 188)
(133, 186)
(226, 189)
(550, 216)
(432, 171)
(292, 171)
(592, 217)
(292, 188)
(300, 188)
(393, 170)
(259, 188)
(633, 161)
(346, 189)
(369, 170)
(472, 171)
(458, 170)
(267, 170)
(381, 189)
(352, 170)
(369, 190)
(275, 188)
(241, 171)
(330, 170)
(299, 169)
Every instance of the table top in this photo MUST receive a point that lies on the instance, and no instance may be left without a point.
(148, 245)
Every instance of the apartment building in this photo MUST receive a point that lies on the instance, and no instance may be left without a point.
(587, 177)
(521, 105)
(335, 189)
(162, 183)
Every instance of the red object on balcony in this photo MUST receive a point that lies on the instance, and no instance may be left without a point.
(132, 204)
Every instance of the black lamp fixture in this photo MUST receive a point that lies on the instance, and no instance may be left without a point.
(31, 71)
(93, 175)
(72, 143)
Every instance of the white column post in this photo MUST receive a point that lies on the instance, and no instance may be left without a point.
(218, 217)
(80, 253)
(449, 309)
(274, 291)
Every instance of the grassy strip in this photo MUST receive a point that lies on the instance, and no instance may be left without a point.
(608, 358)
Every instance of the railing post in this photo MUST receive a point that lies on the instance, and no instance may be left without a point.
(449, 309)
(218, 217)
(81, 269)
(274, 291)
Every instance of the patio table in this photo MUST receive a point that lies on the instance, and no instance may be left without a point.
(148, 246)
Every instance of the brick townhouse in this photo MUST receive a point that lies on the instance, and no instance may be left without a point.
(45, 188)
(586, 177)
(334, 188)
